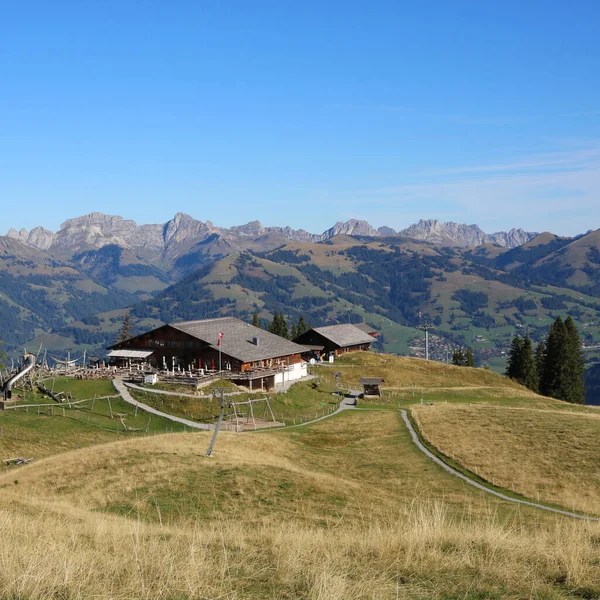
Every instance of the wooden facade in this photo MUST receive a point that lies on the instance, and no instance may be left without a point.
(172, 347)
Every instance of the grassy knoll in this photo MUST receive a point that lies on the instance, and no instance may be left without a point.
(539, 452)
(190, 390)
(304, 400)
(346, 508)
(196, 409)
(409, 379)
(39, 432)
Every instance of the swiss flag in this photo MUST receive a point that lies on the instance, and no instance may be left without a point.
(221, 334)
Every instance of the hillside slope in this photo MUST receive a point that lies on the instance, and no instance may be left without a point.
(319, 512)
(39, 293)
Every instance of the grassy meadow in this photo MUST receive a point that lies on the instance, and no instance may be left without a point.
(344, 508)
(542, 453)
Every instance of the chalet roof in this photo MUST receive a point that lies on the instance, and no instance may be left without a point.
(365, 327)
(344, 335)
(238, 339)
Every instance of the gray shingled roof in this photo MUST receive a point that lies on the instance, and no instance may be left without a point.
(365, 327)
(238, 337)
(344, 335)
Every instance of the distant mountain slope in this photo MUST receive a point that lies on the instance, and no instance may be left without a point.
(120, 268)
(388, 283)
(39, 293)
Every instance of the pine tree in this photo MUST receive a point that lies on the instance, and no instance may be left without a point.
(574, 389)
(303, 326)
(125, 333)
(529, 373)
(458, 357)
(294, 331)
(540, 361)
(556, 363)
(469, 358)
(2, 356)
(256, 320)
(514, 369)
(279, 326)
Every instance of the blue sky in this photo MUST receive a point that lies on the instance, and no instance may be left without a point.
(301, 113)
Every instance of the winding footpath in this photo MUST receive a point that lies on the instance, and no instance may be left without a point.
(122, 389)
(479, 486)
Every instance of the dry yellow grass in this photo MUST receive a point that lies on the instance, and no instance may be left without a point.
(357, 464)
(56, 551)
(344, 509)
(404, 373)
(552, 455)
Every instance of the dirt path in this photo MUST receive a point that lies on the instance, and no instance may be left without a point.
(122, 389)
(479, 486)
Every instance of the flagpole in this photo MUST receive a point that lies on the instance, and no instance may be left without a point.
(220, 350)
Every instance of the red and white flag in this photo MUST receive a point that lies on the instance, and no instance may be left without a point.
(221, 334)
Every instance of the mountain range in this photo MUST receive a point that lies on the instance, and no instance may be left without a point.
(168, 240)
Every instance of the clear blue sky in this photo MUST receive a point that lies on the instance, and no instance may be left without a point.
(301, 113)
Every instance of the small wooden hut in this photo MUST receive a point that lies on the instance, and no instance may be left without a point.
(372, 385)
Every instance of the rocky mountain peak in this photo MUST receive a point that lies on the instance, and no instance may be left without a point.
(182, 226)
(38, 237)
(460, 234)
(351, 227)
(254, 228)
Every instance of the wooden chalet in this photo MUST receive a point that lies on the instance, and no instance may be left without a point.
(246, 353)
(336, 339)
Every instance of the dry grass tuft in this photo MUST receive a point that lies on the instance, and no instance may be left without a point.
(50, 551)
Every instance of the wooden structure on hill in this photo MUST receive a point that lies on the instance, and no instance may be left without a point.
(372, 385)
(336, 339)
(245, 354)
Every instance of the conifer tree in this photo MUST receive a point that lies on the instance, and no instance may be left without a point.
(574, 388)
(458, 357)
(125, 332)
(256, 320)
(2, 356)
(303, 326)
(540, 361)
(515, 359)
(555, 365)
(469, 358)
(529, 373)
(279, 326)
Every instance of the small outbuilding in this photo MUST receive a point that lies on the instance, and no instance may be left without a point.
(372, 385)
(336, 339)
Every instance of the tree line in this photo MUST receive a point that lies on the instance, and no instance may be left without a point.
(279, 326)
(463, 358)
(555, 368)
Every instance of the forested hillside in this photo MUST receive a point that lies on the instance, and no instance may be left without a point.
(474, 297)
